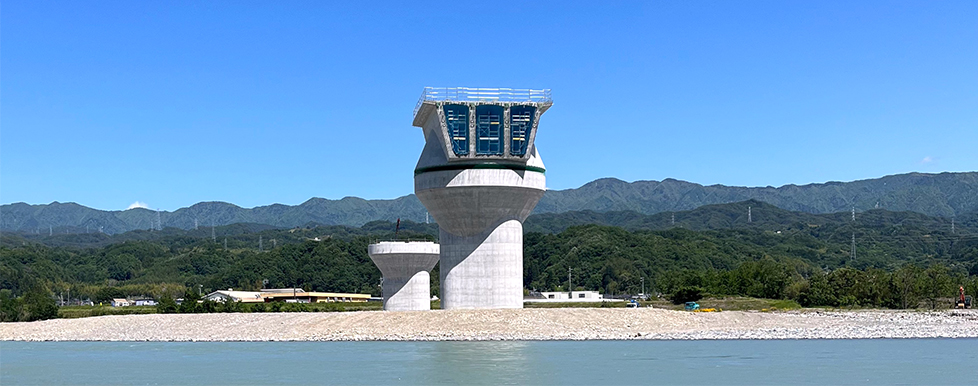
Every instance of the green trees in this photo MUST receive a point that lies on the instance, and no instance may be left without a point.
(907, 285)
(36, 304)
(122, 266)
(687, 294)
(761, 279)
(809, 262)
(190, 305)
(9, 306)
(937, 284)
(166, 305)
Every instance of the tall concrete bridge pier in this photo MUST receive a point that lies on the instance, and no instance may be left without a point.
(480, 176)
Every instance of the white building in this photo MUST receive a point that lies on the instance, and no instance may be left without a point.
(121, 303)
(574, 296)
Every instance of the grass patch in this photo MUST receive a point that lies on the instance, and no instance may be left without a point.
(72, 312)
(726, 303)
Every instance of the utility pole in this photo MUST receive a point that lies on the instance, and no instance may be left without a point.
(570, 293)
(643, 287)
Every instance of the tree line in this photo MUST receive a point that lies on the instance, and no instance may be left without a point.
(813, 267)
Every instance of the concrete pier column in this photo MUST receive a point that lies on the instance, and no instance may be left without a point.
(405, 266)
(483, 271)
(480, 176)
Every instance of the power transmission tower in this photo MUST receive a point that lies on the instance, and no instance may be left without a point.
(50, 230)
(260, 246)
(852, 253)
(195, 223)
(225, 243)
(673, 219)
(749, 219)
(952, 225)
(213, 234)
(852, 249)
(159, 221)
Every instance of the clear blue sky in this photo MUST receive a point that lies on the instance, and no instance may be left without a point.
(169, 103)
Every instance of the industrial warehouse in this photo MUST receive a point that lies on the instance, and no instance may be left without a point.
(288, 295)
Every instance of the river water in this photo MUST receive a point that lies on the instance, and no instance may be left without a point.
(729, 362)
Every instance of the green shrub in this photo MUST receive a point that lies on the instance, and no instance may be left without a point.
(190, 305)
(687, 294)
(9, 306)
(207, 306)
(231, 305)
(295, 307)
(166, 305)
(37, 304)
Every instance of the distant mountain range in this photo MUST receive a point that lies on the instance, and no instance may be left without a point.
(872, 226)
(750, 214)
(944, 195)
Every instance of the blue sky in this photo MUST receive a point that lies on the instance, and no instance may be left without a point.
(169, 103)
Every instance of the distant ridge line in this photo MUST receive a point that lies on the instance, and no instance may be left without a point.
(942, 194)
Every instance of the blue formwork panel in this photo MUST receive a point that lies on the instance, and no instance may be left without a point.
(489, 130)
(520, 126)
(457, 120)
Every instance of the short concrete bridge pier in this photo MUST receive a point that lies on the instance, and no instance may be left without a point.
(405, 266)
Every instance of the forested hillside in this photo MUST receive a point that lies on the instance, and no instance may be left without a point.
(787, 255)
(944, 194)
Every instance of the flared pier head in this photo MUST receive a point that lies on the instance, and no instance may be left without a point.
(405, 266)
(480, 176)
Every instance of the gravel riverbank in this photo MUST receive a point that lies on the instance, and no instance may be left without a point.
(520, 324)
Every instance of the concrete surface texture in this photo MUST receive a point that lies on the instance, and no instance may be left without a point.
(405, 266)
(480, 204)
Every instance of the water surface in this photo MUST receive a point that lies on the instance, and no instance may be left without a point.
(731, 362)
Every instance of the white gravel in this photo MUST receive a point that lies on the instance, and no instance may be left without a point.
(519, 324)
